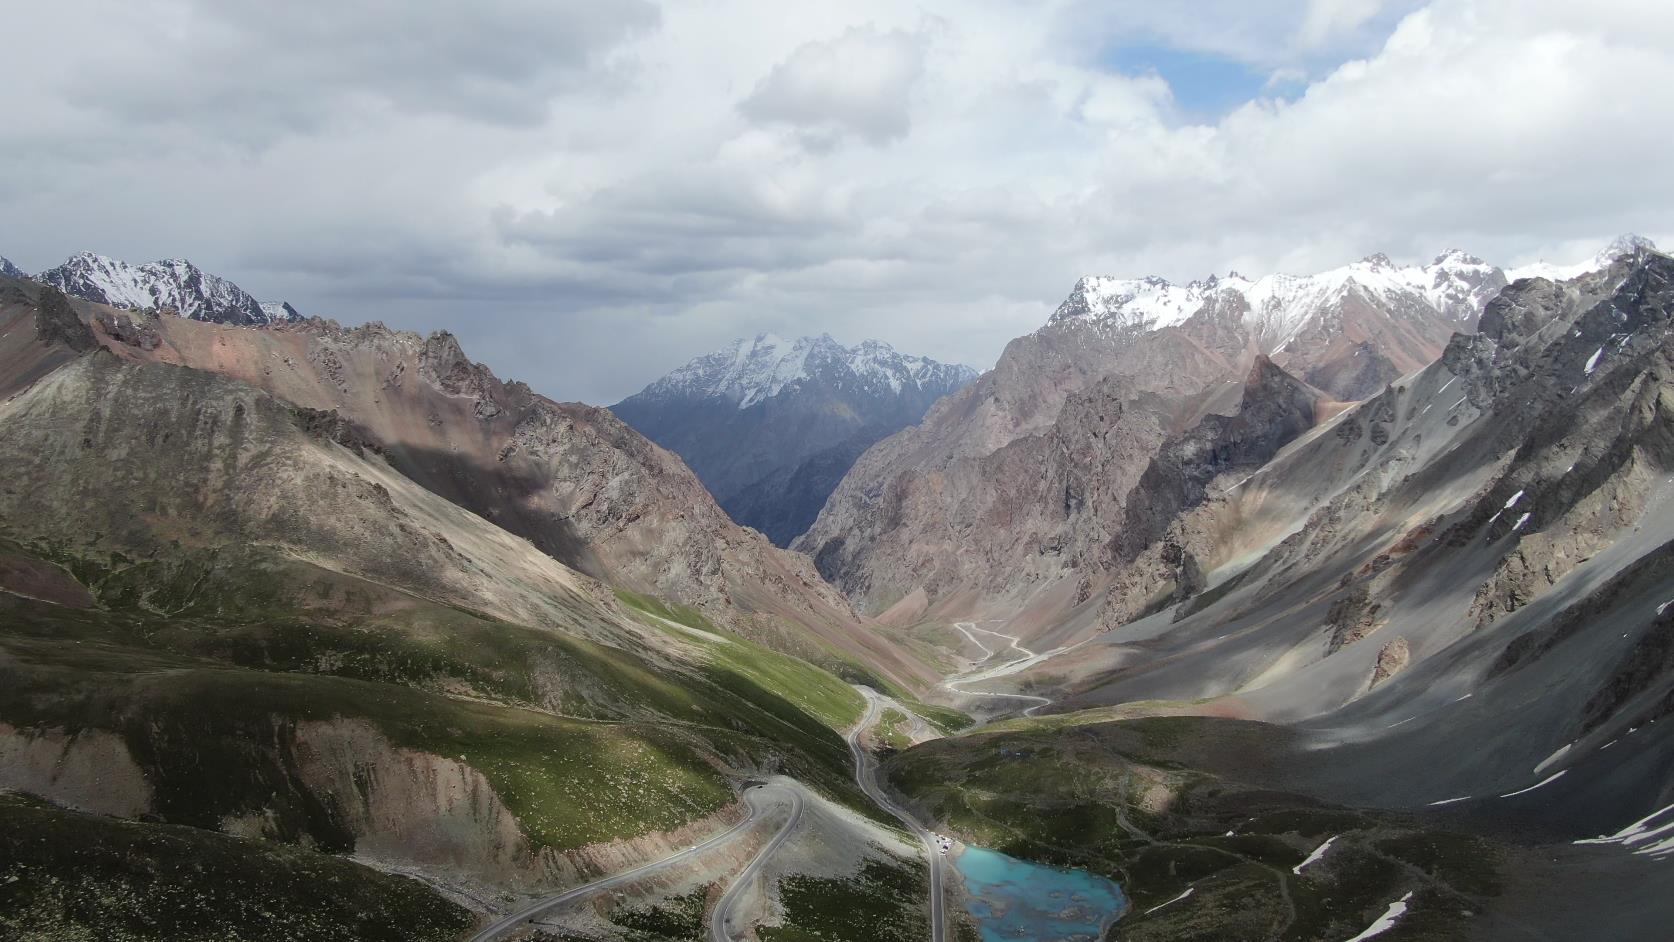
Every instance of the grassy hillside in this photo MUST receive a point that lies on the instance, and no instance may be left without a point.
(212, 676)
(66, 877)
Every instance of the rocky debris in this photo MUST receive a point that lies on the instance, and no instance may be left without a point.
(1351, 618)
(134, 330)
(1392, 659)
(331, 426)
(443, 364)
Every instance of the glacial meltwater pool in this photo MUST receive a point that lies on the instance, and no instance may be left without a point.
(1017, 901)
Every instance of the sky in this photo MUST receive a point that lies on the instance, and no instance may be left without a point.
(589, 194)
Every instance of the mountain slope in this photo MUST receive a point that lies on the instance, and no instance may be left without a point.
(901, 522)
(572, 479)
(1419, 653)
(770, 425)
(226, 610)
(168, 285)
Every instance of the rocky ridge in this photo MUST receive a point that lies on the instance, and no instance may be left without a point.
(171, 285)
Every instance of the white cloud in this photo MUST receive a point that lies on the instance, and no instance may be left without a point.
(859, 83)
(590, 196)
(1328, 19)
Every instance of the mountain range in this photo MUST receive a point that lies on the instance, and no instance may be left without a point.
(173, 285)
(1305, 608)
(771, 425)
(1019, 485)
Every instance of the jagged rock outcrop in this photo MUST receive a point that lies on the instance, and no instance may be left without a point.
(57, 323)
(1275, 409)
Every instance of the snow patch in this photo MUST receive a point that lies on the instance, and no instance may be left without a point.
(1386, 921)
(1552, 758)
(1315, 856)
(1540, 784)
(1170, 902)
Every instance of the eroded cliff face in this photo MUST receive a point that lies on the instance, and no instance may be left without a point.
(88, 770)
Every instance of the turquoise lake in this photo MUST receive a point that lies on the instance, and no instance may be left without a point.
(1017, 901)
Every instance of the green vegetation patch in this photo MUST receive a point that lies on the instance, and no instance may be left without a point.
(892, 729)
(67, 877)
(220, 742)
(885, 902)
(675, 918)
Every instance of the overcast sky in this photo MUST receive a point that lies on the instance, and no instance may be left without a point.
(590, 192)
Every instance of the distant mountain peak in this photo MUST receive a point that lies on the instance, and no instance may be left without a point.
(9, 270)
(751, 371)
(167, 284)
(1625, 244)
(1628, 243)
(770, 424)
(1455, 285)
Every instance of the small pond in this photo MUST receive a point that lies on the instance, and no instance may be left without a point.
(1017, 901)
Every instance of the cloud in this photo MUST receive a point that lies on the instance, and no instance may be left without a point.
(590, 194)
(259, 70)
(1328, 19)
(859, 83)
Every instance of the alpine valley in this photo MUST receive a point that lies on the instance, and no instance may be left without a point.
(1297, 607)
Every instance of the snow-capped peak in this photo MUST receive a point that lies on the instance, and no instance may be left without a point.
(751, 371)
(169, 284)
(1455, 285)
(279, 311)
(9, 270)
(1626, 244)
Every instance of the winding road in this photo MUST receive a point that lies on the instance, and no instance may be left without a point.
(758, 798)
(753, 796)
(1028, 659)
(866, 776)
(718, 931)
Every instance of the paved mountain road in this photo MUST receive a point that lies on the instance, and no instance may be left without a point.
(1028, 659)
(718, 931)
(866, 776)
(754, 796)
